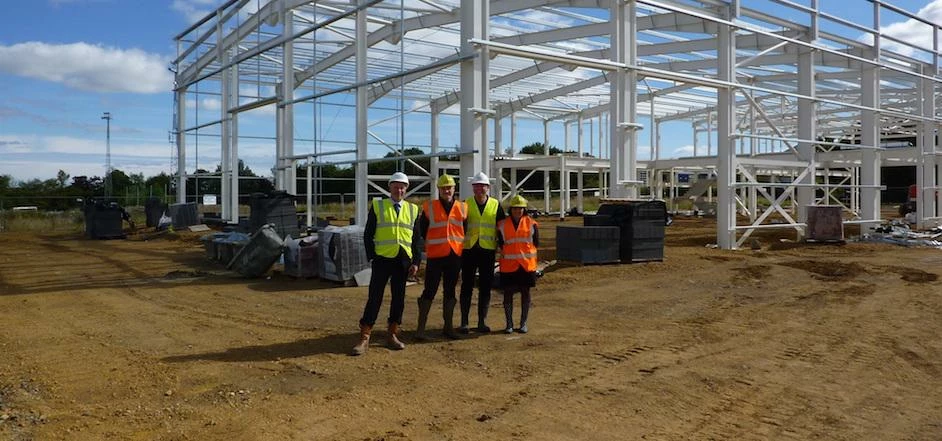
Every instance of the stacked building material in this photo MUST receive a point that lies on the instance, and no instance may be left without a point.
(641, 223)
(103, 220)
(259, 254)
(277, 209)
(342, 253)
(587, 244)
(209, 243)
(301, 256)
(226, 245)
(183, 215)
(825, 223)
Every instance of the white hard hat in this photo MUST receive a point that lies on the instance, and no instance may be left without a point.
(399, 177)
(480, 178)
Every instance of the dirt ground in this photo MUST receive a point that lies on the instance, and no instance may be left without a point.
(148, 340)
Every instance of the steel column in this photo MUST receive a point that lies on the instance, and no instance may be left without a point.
(726, 122)
(362, 125)
(474, 90)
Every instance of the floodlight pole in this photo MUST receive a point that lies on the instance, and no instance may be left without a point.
(107, 118)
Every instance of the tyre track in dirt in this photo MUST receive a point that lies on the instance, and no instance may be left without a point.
(708, 344)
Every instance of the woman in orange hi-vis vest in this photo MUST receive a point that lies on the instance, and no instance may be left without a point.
(517, 237)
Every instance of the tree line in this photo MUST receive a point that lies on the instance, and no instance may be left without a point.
(64, 191)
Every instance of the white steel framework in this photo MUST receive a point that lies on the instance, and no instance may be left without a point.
(784, 88)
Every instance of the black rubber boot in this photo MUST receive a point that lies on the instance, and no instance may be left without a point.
(465, 312)
(524, 312)
(482, 317)
(424, 307)
(448, 313)
(509, 316)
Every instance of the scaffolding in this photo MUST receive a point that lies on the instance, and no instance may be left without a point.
(776, 88)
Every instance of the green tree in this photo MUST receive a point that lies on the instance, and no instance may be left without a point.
(62, 177)
(119, 182)
(538, 148)
(332, 179)
(400, 163)
(160, 185)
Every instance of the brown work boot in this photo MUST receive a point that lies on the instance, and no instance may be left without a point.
(364, 343)
(392, 338)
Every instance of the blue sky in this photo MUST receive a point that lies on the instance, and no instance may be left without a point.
(65, 62)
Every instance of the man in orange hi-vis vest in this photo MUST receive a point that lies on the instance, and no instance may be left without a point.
(442, 224)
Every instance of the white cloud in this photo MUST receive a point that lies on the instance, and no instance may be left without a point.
(41, 157)
(267, 111)
(534, 20)
(68, 145)
(680, 152)
(194, 10)
(911, 31)
(88, 67)
(211, 104)
(257, 91)
(25, 170)
(215, 105)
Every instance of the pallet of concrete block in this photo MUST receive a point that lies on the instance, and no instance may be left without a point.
(342, 253)
(103, 220)
(278, 209)
(587, 244)
(223, 246)
(183, 215)
(301, 256)
(259, 254)
(209, 243)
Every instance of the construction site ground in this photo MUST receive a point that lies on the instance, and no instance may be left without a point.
(147, 339)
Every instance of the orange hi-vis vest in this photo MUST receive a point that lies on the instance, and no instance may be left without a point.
(445, 229)
(519, 250)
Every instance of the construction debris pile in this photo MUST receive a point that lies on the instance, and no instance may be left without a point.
(899, 233)
(332, 253)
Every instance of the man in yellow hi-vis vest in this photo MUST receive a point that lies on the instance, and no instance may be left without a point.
(480, 247)
(391, 226)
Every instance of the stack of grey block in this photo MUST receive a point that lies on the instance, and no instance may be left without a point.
(183, 215)
(222, 247)
(641, 224)
(278, 209)
(259, 254)
(342, 253)
(587, 244)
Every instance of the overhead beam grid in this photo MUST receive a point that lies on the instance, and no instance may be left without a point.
(781, 97)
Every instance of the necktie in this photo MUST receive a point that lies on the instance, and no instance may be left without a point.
(396, 206)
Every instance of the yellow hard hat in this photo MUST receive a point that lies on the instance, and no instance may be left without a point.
(446, 181)
(518, 201)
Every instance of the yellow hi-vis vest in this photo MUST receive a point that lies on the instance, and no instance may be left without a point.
(394, 231)
(482, 228)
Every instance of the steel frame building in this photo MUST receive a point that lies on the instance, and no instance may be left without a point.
(784, 87)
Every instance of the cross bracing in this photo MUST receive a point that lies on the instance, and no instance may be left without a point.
(776, 80)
